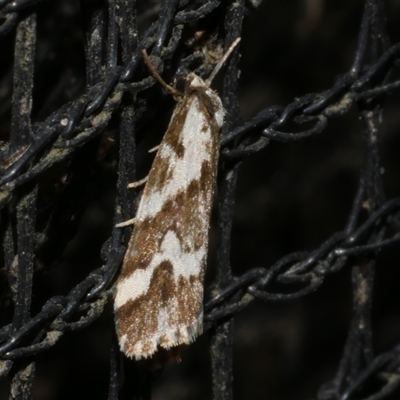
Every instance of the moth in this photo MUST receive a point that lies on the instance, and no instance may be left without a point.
(159, 293)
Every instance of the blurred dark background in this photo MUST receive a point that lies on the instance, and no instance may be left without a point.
(291, 197)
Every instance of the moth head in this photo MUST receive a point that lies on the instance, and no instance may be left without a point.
(185, 83)
(181, 84)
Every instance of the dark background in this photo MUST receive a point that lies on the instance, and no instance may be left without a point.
(290, 197)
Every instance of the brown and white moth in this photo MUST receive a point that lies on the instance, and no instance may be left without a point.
(159, 296)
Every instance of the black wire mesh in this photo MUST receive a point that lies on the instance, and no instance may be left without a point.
(74, 108)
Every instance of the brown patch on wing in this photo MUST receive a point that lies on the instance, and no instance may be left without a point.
(143, 311)
(187, 214)
(206, 171)
(209, 108)
(162, 168)
(206, 101)
(161, 171)
(172, 137)
(138, 318)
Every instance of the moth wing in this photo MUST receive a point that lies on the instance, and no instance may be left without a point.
(160, 290)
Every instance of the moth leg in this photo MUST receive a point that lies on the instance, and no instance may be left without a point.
(131, 221)
(138, 183)
(153, 149)
(130, 186)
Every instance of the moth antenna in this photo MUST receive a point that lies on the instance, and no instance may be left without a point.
(223, 59)
(157, 76)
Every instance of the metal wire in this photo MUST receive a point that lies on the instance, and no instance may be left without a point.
(116, 95)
